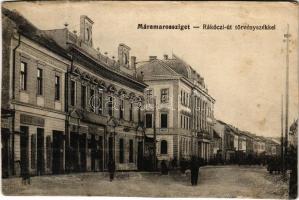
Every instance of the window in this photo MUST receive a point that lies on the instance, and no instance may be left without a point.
(131, 112)
(83, 96)
(93, 103)
(131, 151)
(163, 147)
(149, 120)
(39, 81)
(164, 120)
(139, 114)
(187, 99)
(23, 77)
(164, 95)
(121, 150)
(100, 101)
(110, 106)
(73, 93)
(121, 109)
(149, 96)
(57, 88)
(181, 121)
(181, 96)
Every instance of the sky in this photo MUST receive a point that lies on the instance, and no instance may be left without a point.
(244, 70)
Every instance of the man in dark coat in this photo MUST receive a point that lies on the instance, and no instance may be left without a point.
(164, 168)
(111, 168)
(194, 170)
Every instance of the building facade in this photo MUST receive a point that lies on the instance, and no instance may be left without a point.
(66, 107)
(179, 111)
(33, 99)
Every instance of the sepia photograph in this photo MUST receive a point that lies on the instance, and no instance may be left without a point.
(150, 99)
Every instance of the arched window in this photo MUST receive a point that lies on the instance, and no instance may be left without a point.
(163, 147)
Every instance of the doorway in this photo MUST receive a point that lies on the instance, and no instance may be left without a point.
(40, 151)
(24, 148)
(57, 152)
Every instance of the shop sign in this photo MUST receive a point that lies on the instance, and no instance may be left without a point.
(32, 120)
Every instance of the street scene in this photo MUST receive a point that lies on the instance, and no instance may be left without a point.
(241, 182)
(92, 105)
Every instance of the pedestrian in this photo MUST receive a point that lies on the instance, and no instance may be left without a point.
(111, 169)
(25, 174)
(194, 170)
(164, 168)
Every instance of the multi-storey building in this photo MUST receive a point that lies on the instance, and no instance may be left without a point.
(65, 106)
(104, 104)
(180, 109)
(33, 96)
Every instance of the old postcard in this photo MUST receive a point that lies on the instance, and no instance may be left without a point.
(150, 99)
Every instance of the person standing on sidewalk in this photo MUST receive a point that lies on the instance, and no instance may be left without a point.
(194, 170)
(111, 168)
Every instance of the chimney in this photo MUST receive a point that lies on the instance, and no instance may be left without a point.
(165, 57)
(151, 58)
(133, 62)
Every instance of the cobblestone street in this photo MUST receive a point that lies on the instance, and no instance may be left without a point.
(219, 181)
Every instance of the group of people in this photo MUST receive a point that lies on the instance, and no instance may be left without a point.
(194, 164)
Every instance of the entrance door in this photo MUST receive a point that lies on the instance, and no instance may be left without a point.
(82, 149)
(5, 152)
(140, 156)
(100, 153)
(57, 154)
(110, 150)
(93, 148)
(74, 151)
(24, 148)
(40, 151)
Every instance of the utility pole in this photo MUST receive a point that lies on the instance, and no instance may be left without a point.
(287, 36)
(281, 139)
(155, 135)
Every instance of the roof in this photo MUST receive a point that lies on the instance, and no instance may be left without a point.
(30, 31)
(177, 66)
(216, 135)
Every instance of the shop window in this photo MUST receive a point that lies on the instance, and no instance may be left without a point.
(163, 147)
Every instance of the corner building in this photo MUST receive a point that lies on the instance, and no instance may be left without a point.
(184, 110)
(33, 99)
